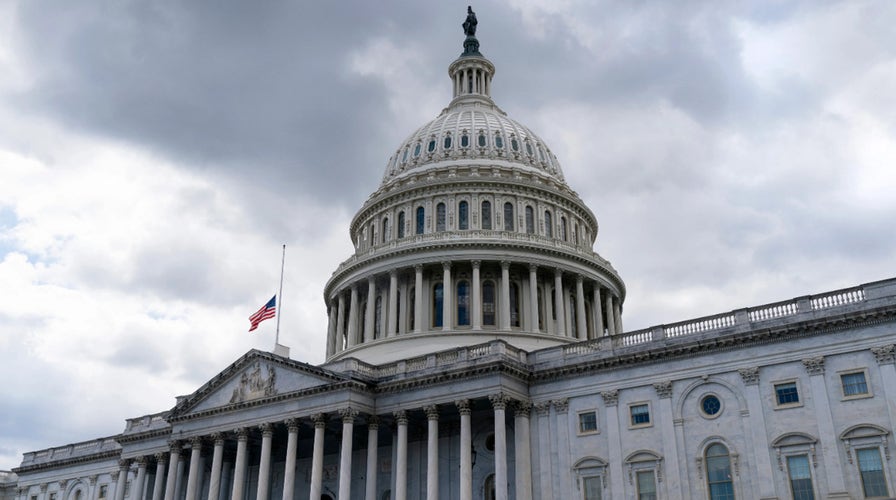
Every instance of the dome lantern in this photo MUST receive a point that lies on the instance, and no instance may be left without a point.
(471, 73)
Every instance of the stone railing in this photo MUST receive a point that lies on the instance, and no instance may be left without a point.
(778, 311)
(70, 451)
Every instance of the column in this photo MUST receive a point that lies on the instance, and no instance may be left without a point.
(466, 450)
(123, 466)
(91, 485)
(373, 435)
(522, 453)
(504, 306)
(418, 298)
(611, 322)
(432, 452)
(499, 402)
(581, 321)
(331, 330)
(140, 479)
(173, 461)
(369, 316)
(392, 327)
(477, 296)
(158, 486)
(340, 324)
(666, 420)
(348, 415)
(353, 317)
(264, 462)
(826, 435)
(214, 482)
(317, 455)
(401, 459)
(289, 469)
(195, 458)
(885, 356)
(759, 438)
(239, 468)
(617, 314)
(564, 468)
(598, 312)
(558, 302)
(533, 297)
(545, 476)
(611, 400)
(446, 296)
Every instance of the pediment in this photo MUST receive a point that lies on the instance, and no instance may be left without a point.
(255, 377)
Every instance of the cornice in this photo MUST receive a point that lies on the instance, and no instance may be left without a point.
(141, 436)
(501, 366)
(96, 457)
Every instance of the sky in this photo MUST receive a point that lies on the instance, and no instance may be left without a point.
(155, 156)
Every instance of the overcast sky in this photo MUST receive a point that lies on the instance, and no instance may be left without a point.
(154, 157)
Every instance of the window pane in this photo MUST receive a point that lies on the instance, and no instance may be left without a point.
(872, 470)
(640, 414)
(463, 303)
(587, 422)
(420, 220)
(646, 485)
(514, 304)
(591, 485)
(447, 144)
(718, 473)
(548, 225)
(508, 217)
(463, 216)
(488, 303)
(854, 383)
(481, 140)
(499, 142)
(530, 220)
(486, 215)
(787, 393)
(401, 224)
(464, 140)
(440, 217)
(437, 292)
(800, 478)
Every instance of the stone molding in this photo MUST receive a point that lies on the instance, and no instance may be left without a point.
(499, 400)
(885, 354)
(401, 417)
(663, 389)
(561, 406)
(320, 420)
(267, 430)
(749, 375)
(522, 408)
(432, 412)
(292, 424)
(463, 406)
(348, 414)
(373, 422)
(611, 398)
(543, 408)
(242, 434)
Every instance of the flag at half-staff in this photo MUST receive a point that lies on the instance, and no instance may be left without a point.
(268, 310)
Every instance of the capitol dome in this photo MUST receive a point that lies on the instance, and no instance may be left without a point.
(473, 235)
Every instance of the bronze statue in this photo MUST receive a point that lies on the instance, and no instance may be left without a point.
(470, 24)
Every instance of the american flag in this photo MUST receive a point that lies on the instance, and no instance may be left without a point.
(268, 310)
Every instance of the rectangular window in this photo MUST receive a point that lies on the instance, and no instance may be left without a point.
(103, 489)
(646, 485)
(52, 496)
(854, 384)
(800, 478)
(587, 422)
(591, 487)
(787, 394)
(640, 414)
(872, 471)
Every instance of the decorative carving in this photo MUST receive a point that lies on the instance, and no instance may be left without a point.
(470, 22)
(348, 414)
(267, 430)
(161, 458)
(91, 480)
(373, 422)
(218, 438)
(750, 375)
(611, 398)
(254, 385)
(174, 447)
(499, 400)
(885, 354)
(476, 263)
(463, 406)
(432, 412)
(401, 417)
(522, 408)
(543, 408)
(292, 424)
(561, 405)
(242, 434)
(196, 443)
(663, 389)
(814, 366)
(320, 420)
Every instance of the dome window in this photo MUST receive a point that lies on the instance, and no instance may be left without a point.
(514, 144)
(540, 153)
(486, 215)
(401, 224)
(440, 217)
(499, 141)
(463, 303)
(464, 141)
(431, 146)
(482, 140)
(548, 225)
(420, 221)
(530, 220)
(447, 142)
(463, 216)
(508, 216)
(529, 148)
(437, 300)
(488, 303)
(417, 150)
(404, 157)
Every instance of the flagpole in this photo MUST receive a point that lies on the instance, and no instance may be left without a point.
(280, 298)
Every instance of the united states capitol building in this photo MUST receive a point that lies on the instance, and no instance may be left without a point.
(476, 350)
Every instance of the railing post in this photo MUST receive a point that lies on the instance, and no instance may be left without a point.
(803, 304)
(657, 333)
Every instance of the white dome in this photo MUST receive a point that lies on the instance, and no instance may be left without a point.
(472, 129)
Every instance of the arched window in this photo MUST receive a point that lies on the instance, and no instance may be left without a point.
(412, 309)
(488, 303)
(514, 304)
(463, 215)
(431, 146)
(421, 219)
(401, 224)
(386, 230)
(482, 140)
(718, 473)
(489, 487)
(437, 299)
(417, 150)
(404, 156)
(440, 217)
(514, 144)
(528, 147)
(463, 303)
(378, 317)
(486, 215)
(530, 220)
(548, 225)
(563, 228)
(508, 216)
(464, 140)
(499, 141)
(447, 142)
